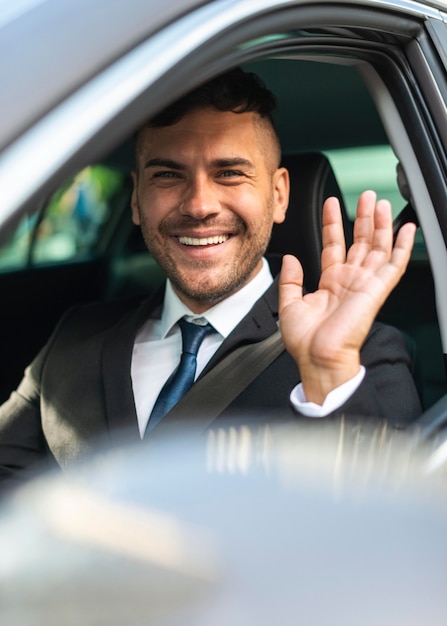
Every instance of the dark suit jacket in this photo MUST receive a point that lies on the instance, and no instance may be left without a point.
(79, 386)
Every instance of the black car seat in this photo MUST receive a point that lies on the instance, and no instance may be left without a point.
(312, 180)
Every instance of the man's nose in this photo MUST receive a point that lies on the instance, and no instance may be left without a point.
(200, 199)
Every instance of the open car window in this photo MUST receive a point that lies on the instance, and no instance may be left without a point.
(88, 218)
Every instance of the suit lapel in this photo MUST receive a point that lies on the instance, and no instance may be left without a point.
(258, 324)
(116, 367)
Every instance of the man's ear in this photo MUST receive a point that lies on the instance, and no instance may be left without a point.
(281, 190)
(134, 200)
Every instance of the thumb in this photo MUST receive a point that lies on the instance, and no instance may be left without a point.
(290, 282)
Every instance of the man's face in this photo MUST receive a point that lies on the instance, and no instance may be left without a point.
(206, 193)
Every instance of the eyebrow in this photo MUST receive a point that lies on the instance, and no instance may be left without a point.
(175, 165)
(232, 162)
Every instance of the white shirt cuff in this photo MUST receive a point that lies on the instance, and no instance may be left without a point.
(333, 400)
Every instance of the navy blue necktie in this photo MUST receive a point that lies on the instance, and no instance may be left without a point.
(183, 378)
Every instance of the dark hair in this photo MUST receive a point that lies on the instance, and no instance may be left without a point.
(236, 91)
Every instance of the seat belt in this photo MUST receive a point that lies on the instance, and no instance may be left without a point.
(210, 395)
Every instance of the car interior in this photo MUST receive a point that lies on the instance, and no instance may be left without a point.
(80, 244)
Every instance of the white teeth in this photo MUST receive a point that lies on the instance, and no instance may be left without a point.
(203, 241)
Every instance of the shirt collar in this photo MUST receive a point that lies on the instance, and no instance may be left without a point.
(225, 315)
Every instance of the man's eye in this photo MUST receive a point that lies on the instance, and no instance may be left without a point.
(230, 173)
(167, 174)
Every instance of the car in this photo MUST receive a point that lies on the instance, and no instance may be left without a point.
(361, 87)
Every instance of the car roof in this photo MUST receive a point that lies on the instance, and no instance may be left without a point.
(66, 44)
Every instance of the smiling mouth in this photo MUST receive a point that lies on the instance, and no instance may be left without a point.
(203, 241)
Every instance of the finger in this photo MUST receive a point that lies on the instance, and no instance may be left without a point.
(401, 252)
(391, 272)
(383, 226)
(290, 282)
(333, 236)
(363, 227)
(382, 236)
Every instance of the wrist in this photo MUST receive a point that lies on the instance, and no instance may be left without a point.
(319, 380)
(333, 401)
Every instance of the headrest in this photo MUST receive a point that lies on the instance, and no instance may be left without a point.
(312, 180)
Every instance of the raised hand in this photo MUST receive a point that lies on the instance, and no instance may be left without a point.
(325, 330)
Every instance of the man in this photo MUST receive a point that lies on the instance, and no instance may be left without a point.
(208, 188)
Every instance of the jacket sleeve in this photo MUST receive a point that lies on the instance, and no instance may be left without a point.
(388, 389)
(22, 444)
(23, 448)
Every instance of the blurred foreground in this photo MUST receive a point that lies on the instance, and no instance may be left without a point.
(338, 524)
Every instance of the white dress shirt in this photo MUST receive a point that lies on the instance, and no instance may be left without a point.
(158, 345)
